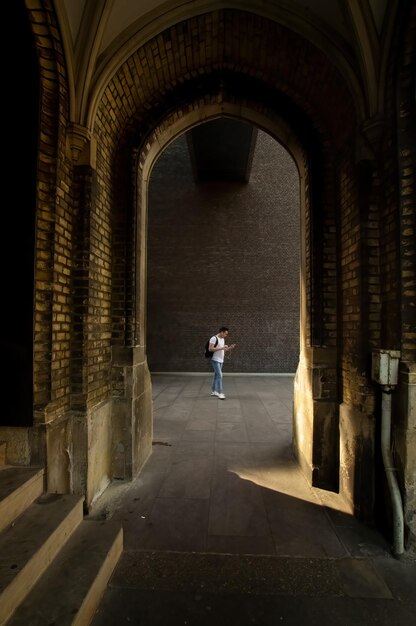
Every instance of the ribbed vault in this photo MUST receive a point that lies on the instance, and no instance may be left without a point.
(203, 55)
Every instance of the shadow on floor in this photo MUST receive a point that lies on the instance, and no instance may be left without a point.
(222, 514)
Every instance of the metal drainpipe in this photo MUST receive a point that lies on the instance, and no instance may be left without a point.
(396, 499)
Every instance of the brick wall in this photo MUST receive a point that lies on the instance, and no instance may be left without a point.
(224, 254)
(53, 267)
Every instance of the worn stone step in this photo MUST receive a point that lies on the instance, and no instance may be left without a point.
(70, 590)
(28, 546)
(19, 487)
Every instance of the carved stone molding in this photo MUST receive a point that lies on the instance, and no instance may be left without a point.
(370, 139)
(81, 145)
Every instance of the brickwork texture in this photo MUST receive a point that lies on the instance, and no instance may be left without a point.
(224, 253)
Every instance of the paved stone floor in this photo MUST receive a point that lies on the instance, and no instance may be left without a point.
(222, 525)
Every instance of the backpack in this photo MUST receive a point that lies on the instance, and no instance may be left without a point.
(208, 353)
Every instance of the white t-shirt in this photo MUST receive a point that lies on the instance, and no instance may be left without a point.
(218, 354)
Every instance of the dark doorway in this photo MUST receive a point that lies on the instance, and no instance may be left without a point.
(18, 221)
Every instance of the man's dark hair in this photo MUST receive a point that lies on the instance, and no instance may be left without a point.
(222, 329)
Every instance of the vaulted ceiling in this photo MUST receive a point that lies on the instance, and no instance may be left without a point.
(121, 19)
(99, 35)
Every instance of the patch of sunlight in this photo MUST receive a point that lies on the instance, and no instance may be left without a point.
(285, 479)
(290, 480)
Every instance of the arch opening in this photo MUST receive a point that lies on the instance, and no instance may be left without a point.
(223, 251)
(315, 425)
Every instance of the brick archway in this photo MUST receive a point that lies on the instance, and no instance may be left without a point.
(195, 70)
(139, 167)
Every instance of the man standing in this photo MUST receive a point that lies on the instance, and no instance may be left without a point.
(218, 347)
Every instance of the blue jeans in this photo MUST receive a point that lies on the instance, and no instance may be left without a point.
(217, 380)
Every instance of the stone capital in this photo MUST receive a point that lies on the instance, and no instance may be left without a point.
(369, 139)
(81, 145)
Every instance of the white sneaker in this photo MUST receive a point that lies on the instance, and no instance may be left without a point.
(214, 393)
(221, 396)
